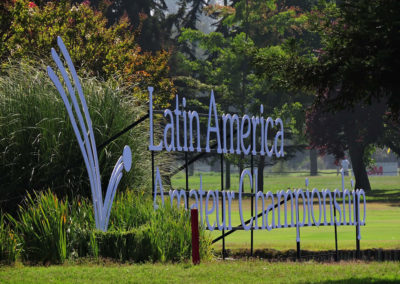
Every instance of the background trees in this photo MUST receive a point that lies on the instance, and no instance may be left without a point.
(249, 32)
(359, 43)
(351, 69)
(355, 76)
(337, 62)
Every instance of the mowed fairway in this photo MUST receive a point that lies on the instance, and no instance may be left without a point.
(382, 228)
(381, 231)
(251, 271)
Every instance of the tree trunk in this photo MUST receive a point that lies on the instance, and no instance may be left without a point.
(313, 162)
(260, 173)
(227, 174)
(356, 151)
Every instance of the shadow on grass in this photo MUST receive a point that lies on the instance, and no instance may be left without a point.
(324, 256)
(384, 195)
(361, 280)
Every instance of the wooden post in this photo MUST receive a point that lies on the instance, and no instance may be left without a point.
(194, 218)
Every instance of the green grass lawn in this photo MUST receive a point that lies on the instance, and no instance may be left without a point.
(239, 271)
(381, 231)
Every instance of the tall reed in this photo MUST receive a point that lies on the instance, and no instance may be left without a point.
(41, 225)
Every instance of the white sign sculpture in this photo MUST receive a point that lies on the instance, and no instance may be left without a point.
(84, 134)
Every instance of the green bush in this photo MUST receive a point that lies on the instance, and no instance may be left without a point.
(130, 211)
(171, 235)
(41, 225)
(134, 245)
(171, 232)
(38, 148)
(169, 228)
(166, 236)
(9, 242)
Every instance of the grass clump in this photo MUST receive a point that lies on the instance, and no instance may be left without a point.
(130, 210)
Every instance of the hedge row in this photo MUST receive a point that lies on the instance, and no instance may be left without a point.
(134, 245)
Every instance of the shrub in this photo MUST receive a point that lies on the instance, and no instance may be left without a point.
(9, 242)
(28, 31)
(172, 235)
(134, 245)
(171, 231)
(166, 236)
(41, 225)
(38, 148)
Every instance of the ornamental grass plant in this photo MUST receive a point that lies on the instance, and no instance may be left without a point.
(170, 228)
(38, 148)
(80, 229)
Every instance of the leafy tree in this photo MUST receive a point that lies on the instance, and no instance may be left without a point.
(227, 62)
(347, 130)
(158, 25)
(95, 48)
(190, 20)
(148, 16)
(353, 75)
(359, 52)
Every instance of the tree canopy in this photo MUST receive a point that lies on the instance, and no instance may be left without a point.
(328, 67)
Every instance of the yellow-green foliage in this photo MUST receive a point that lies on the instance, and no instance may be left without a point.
(29, 32)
